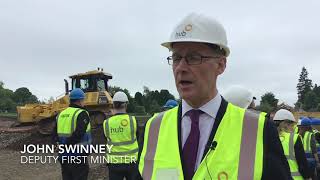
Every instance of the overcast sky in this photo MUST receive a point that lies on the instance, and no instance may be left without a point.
(42, 42)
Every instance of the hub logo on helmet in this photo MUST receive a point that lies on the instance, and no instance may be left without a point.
(188, 27)
(183, 33)
(180, 34)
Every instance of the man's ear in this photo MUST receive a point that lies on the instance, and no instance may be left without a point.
(222, 64)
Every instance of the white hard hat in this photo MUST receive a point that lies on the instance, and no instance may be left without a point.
(284, 114)
(120, 97)
(239, 96)
(199, 28)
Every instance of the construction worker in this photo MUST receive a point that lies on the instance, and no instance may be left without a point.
(309, 144)
(316, 134)
(120, 131)
(292, 145)
(171, 103)
(315, 123)
(73, 128)
(253, 104)
(206, 137)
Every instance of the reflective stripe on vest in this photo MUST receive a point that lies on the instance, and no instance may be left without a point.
(296, 130)
(307, 147)
(306, 142)
(241, 130)
(151, 146)
(67, 123)
(122, 135)
(288, 141)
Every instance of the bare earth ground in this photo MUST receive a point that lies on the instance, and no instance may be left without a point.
(11, 169)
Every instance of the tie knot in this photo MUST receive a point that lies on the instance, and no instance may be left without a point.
(194, 115)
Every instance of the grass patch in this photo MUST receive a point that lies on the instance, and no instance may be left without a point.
(9, 115)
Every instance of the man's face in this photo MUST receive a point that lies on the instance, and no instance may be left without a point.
(196, 84)
(291, 127)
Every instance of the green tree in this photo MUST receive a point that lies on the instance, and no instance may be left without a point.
(316, 90)
(7, 105)
(154, 107)
(304, 85)
(310, 102)
(139, 98)
(268, 102)
(164, 96)
(6, 102)
(147, 102)
(23, 96)
(269, 98)
(265, 108)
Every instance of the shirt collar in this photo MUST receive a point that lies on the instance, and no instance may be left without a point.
(211, 108)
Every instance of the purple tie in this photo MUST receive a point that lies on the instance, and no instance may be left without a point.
(190, 149)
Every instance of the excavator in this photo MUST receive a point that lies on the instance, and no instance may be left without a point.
(97, 101)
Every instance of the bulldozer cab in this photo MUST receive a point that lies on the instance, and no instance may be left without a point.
(92, 81)
(98, 101)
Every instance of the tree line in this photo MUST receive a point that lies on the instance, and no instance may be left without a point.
(148, 101)
(10, 99)
(151, 101)
(308, 96)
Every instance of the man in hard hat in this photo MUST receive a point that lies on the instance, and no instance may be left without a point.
(120, 131)
(253, 104)
(309, 144)
(73, 128)
(171, 103)
(292, 145)
(206, 137)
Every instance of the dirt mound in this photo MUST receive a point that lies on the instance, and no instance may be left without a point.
(98, 136)
(7, 139)
(16, 141)
(33, 138)
(99, 172)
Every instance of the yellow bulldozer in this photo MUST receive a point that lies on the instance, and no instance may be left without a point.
(297, 115)
(97, 101)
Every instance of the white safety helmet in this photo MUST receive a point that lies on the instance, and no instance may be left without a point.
(120, 97)
(284, 114)
(239, 96)
(199, 28)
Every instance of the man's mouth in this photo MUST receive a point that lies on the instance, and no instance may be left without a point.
(185, 82)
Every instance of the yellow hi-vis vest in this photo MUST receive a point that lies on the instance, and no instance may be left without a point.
(315, 132)
(238, 154)
(306, 142)
(296, 129)
(288, 141)
(120, 131)
(67, 123)
(307, 146)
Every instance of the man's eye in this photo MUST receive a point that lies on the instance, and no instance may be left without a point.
(176, 57)
(194, 57)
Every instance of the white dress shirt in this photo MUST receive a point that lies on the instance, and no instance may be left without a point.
(206, 121)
